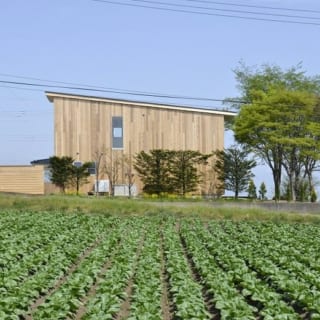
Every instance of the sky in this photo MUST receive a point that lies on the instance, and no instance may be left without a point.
(133, 48)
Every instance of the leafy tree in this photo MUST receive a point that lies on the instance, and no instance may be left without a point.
(275, 119)
(302, 192)
(153, 168)
(252, 190)
(313, 197)
(61, 171)
(234, 168)
(262, 191)
(297, 109)
(285, 190)
(80, 174)
(311, 153)
(183, 169)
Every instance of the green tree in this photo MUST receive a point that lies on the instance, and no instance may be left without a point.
(262, 191)
(61, 171)
(234, 168)
(252, 190)
(294, 114)
(184, 170)
(313, 197)
(275, 119)
(79, 175)
(311, 153)
(153, 168)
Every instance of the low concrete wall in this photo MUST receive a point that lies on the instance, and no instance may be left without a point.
(296, 207)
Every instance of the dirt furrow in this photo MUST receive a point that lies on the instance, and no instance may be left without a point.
(61, 281)
(207, 296)
(165, 300)
(125, 306)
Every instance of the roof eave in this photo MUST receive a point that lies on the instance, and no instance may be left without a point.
(52, 95)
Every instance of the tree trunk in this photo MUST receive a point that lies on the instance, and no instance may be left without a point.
(277, 182)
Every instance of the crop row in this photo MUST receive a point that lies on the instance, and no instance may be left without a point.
(95, 267)
(36, 274)
(284, 279)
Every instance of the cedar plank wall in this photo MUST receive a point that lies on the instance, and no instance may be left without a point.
(83, 125)
(22, 179)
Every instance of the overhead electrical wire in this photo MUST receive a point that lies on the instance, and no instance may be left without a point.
(121, 91)
(14, 87)
(79, 84)
(155, 5)
(254, 6)
(91, 88)
(224, 10)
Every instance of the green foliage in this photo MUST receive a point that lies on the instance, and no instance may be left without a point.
(252, 80)
(79, 175)
(234, 168)
(154, 170)
(313, 195)
(61, 171)
(277, 121)
(58, 266)
(65, 174)
(184, 173)
(168, 171)
(252, 190)
(262, 191)
(186, 292)
(302, 191)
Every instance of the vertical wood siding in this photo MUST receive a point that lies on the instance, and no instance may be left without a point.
(84, 126)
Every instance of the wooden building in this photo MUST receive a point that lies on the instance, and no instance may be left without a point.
(85, 126)
(22, 179)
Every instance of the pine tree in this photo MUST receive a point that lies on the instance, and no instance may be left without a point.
(184, 172)
(61, 171)
(153, 168)
(262, 191)
(234, 168)
(252, 190)
(80, 174)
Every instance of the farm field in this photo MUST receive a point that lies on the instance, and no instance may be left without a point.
(78, 266)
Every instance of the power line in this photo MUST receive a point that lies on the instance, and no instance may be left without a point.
(128, 92)
(121, 91)
(254, 6)
(184, 104)
(206, 13)
(12, 87)
(78, 84)
(225, 10)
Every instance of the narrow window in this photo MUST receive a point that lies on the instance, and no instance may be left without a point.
(117, 133)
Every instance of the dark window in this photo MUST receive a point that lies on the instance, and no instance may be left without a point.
(117, 133)
(92, 168)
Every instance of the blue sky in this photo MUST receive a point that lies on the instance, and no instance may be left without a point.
(101, 44)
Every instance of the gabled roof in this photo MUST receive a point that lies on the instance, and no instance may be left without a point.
(52, 95)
